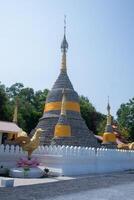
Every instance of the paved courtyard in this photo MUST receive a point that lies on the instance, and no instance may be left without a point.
(113, 186)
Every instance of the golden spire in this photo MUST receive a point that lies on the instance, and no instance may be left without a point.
(15, 115)
(63, 104)
(109, 119)
(64, 47)
(108, 107)
(63, 62)
(62, 128)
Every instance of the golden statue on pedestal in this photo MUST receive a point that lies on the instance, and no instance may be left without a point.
(29, 144)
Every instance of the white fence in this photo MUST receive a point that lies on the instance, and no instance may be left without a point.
(73, 160)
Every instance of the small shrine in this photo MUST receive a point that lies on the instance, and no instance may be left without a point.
(109, 138)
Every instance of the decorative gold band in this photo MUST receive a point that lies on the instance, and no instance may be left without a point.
(109, 137)
(62, 131)
(70, 105)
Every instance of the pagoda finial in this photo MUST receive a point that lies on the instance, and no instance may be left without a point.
(15, 115)
(108, 114)
(64, 47)
(108, 107)
(65, 25)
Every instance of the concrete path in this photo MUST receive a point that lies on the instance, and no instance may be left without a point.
(96, 187)
(27, 181)
(117, 192)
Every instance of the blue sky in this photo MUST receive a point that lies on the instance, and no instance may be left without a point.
(100, 57)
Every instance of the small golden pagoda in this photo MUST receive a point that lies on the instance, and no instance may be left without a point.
(109, 136)
(62, 128)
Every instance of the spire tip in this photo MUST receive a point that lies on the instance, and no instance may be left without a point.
(64, 44)
(65, 25)
(108, 107)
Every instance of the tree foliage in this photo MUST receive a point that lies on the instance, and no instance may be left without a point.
(31, 106)
(90, 115)
(126, 118)
(3, 103)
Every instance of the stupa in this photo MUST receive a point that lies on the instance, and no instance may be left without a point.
(54, 111)
(109, 137)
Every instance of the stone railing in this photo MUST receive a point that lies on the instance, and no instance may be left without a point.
(73, 160)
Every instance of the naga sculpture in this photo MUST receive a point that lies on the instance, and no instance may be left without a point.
(129, 146)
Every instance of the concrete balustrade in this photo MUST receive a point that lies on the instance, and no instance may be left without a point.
(72, 160)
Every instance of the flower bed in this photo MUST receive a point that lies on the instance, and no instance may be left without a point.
(27, 163)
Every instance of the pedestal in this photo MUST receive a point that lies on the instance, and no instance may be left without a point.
(33, 172)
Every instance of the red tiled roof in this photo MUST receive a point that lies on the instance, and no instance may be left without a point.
(9, 127)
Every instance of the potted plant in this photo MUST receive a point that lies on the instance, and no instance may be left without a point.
(46, 172)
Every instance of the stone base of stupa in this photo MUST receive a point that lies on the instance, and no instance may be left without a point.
(73, 141)
(81, 135)
(109, 145)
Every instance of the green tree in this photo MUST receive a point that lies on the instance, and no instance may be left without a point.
(90, 115)
(39, 99)
(30, 105)
(87, 111)
(3, 103)
(125, 118)
(102, 120)
(14, 90)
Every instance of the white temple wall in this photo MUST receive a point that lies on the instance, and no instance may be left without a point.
(73, 160)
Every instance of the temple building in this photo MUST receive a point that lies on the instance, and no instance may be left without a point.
(61, 121)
